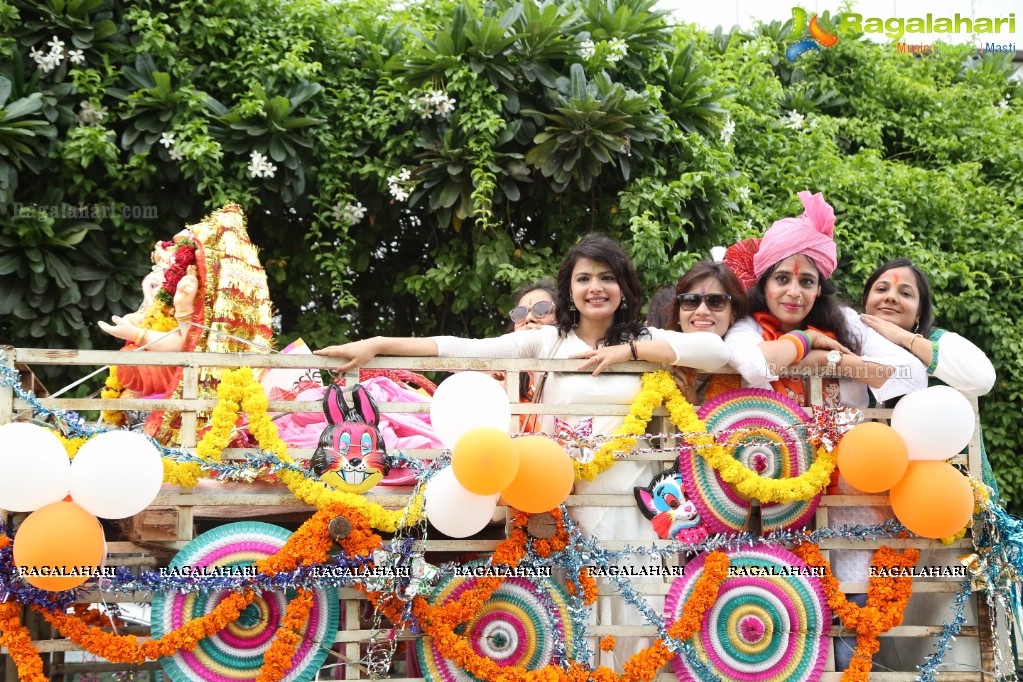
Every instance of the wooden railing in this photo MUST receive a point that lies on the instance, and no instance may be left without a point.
(183, 507)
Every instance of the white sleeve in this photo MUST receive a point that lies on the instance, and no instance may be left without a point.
(526, 343)
(910, 374)
(962, 365)
(743, 342)
(704, 351)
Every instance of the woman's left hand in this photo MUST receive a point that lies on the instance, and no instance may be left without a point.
(889, 330)
(604, 357)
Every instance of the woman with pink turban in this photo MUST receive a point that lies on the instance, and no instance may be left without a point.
(798, 320)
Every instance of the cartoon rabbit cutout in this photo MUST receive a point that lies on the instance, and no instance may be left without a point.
(351, 455)
(669, 509)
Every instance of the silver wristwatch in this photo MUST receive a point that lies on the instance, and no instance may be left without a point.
(834, 357)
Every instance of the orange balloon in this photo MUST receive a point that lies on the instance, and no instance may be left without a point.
(485, 460)
(58, 547)
(872, 457)
(545, 475)
(933, 499)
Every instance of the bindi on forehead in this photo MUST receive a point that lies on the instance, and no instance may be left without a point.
(895, 278)
(795, 268)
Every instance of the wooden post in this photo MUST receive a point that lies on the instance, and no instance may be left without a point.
(189, 438)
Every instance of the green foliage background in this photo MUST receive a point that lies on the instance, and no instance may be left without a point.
(568, 117)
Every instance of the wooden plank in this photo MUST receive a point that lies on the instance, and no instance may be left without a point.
(7, 392)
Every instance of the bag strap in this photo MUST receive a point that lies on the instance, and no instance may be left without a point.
(538, 389)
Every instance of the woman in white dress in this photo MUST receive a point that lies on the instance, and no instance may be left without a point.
(897, 303)
(598, 322)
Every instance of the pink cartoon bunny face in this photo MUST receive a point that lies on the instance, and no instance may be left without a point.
(351, 455)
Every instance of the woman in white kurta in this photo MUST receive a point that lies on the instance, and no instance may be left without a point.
(598, 322)
(897, 304)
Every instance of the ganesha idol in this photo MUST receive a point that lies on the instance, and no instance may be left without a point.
(207, 292)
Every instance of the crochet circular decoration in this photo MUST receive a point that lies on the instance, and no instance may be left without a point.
(236, 652)
(770, 623)
(766, 432)
(520, 625)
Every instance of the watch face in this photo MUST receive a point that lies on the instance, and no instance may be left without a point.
(834, 357)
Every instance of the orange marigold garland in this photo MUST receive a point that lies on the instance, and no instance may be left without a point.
(887, 597)
(309, 544)
(441, 621)
(278, 658)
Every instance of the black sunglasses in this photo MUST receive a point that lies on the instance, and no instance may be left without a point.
(539, 309)
(715, 302)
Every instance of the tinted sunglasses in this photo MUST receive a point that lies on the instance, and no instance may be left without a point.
(715, 302)
(540, 309)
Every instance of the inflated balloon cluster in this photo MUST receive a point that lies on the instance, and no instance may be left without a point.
(471, 414)
(114, 475)
(928, 495)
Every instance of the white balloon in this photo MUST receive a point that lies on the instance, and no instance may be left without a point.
(936, 423)
(34, 467)
(455, 511)
(116, 474)
(466, 401)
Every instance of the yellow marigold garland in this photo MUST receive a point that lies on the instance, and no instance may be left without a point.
(660, 389)
(72, 445)
(112, 390)
(239, 391)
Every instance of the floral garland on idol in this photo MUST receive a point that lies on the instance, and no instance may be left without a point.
(660, 389)
(159, 317)
(887, 596)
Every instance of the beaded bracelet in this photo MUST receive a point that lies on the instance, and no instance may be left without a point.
(632, 347)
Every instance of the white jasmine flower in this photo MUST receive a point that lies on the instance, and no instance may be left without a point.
(795, 120)
(617, 49)
(76, 56)
(727, 130)
(587, 49)
(167, 140)
(90, 115)
(175, 155)
(744, 193)
(351, 213)
(1004, 104)
(405, 175)
(56, 45)
(258, 166)
(36, 55)
(49, 62)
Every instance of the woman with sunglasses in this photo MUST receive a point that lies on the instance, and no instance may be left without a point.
(707, 298)
(598, 322)
(534, 306)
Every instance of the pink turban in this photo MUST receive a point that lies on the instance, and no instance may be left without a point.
(811, 234)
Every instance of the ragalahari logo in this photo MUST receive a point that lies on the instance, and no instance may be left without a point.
(818, 36)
